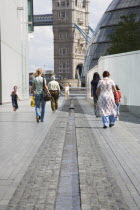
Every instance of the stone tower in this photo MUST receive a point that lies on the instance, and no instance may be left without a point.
(69, 45)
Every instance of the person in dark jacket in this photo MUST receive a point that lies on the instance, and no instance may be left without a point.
(94, 83)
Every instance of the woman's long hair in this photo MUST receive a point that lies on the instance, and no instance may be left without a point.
(96, 76)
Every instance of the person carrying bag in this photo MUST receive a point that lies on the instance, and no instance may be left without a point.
(38, 88)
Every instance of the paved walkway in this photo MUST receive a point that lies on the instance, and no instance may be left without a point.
(69, 162)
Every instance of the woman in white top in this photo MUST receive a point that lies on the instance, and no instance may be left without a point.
(40, 102)
(67, 91)
(106, 104)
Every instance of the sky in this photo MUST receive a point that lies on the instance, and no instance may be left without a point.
(41, 43)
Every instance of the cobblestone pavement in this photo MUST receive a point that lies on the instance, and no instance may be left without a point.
(118, 148)
(20, 139)
(69, 162)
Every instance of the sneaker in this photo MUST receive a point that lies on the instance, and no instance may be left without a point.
(111, 125)
(105, 126)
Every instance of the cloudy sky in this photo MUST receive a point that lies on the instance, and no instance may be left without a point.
(41, 45)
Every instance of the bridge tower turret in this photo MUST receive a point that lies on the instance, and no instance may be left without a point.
(69, 45)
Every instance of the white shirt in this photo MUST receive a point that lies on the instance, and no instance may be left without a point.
(53, 85)
(67, 89)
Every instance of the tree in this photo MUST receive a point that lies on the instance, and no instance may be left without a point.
(126, 37)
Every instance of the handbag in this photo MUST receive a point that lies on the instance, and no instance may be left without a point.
(46, 95)
(32, 101)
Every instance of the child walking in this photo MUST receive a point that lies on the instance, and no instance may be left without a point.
(67, 91)
(15, 97)
(117, 102)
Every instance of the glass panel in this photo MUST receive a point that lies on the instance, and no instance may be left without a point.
(30, 16)
(107, 25)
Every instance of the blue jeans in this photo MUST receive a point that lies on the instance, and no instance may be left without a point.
(108, 120)
(40, 102)
(118, 108)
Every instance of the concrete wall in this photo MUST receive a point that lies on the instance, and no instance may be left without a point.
(125, 71)
(14, 48)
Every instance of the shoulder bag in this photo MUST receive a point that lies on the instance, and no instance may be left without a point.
(46, 94)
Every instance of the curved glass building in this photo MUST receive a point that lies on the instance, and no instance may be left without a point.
(109, 21)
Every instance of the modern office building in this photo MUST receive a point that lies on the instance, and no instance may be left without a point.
(69, 45)
(30, 16)
(13, 49)
(107, 24)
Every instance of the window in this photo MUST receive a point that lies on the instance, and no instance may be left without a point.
(63, 36)
(62, 14)
(83, 3)
(63, 3)
(30, 16)
(67, 36)
(63, 51)
(63, 66)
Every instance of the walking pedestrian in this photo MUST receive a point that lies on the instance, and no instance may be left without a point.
(67, 91)
(38, 90)
(94, 83)
(61, 88)
(106, 104)
(15, 98)
(54, 89)
(117, 101)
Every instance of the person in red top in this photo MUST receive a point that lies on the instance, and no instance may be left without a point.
(117, 101)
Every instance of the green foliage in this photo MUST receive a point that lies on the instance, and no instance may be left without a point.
(126, 37)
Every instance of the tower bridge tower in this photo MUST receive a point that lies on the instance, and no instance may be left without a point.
(69, 45)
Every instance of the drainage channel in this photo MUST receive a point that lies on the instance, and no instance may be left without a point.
(68, 195)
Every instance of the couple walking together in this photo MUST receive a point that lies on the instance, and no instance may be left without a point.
(103, 91)
(53, 88)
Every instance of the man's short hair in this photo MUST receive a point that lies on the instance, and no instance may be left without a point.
(53, 77)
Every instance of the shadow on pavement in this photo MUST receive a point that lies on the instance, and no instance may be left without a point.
(124, 116)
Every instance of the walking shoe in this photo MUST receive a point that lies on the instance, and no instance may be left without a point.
(37, 119)
(111, 125)
(105, 126)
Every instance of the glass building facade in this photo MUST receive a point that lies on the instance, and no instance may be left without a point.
(108, 23)
(30, 16)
